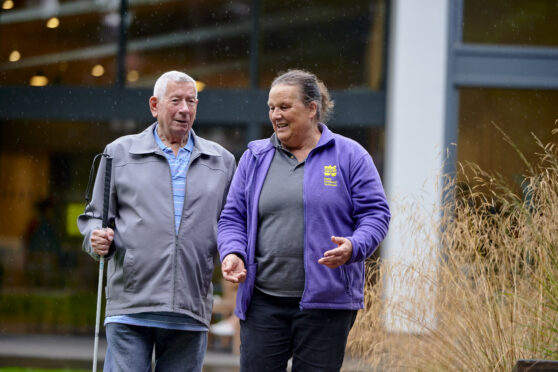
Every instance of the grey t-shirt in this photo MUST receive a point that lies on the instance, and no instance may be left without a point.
(280, 245)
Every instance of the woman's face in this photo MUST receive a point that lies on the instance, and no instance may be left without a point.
(293, 122)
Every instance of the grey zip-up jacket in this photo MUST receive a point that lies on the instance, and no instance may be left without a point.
(150, 267)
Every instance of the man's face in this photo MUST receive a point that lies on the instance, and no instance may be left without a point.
(176, 110)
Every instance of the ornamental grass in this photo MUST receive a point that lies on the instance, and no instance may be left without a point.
(489, 295)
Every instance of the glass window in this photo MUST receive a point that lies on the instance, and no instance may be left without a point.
(58, 42)
(519, 113)
(44, 167)
(371, 138)
(44, 164)
(210, 42)
(341, 42)
(516, 22)
(233, 138)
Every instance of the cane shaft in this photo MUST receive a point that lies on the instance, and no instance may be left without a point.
(106, 198)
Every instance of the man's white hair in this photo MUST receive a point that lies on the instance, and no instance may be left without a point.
(161, 84)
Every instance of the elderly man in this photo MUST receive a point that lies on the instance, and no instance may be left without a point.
(168, 189)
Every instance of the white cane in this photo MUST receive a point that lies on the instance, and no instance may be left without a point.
(98, 314)
(106, 197)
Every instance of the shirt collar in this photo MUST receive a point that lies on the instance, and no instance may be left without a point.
(275, 141)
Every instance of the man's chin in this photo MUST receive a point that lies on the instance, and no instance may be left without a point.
(182, 129)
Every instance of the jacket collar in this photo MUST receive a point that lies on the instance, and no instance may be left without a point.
(146, 144)
(327, 136)
(261, 146)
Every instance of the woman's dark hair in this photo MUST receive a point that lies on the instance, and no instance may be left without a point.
(312, 89)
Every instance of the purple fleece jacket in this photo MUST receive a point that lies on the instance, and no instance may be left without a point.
(343, 196)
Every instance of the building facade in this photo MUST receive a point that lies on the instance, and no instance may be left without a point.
(418, 83)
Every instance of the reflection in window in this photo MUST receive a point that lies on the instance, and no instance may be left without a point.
(519, 113)
(59, 42)
(341, 42)
(44, 164)
(210, 42)
(516, 22)
(44, 167)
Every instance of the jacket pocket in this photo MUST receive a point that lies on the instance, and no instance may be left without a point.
(246, 289)
(345, 277)
(129, 271)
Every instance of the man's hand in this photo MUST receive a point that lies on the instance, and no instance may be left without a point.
(233, 269)
(101, 240)
(337, 256)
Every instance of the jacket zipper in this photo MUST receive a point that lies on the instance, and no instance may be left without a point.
(305, 230)
(176, 233)
(175, 237)
(301, 306)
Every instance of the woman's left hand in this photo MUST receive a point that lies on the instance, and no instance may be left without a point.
(337, 256)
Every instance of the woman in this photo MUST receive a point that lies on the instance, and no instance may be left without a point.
(304, 210)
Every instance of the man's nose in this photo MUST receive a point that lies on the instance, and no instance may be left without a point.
(184, 106)
(276, 113)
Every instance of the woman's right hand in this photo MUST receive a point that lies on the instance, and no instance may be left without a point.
(101, 240)
(233, 269)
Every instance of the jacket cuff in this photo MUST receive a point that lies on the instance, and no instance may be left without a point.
(241, 255)
(355, 256)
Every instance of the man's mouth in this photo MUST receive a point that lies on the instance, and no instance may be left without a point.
(281, 125)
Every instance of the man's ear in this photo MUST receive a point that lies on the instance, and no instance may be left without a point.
(153, 105)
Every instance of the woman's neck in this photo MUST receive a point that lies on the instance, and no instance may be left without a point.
(301, 152)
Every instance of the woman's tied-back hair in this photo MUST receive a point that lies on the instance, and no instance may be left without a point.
(312, 89)
(160, 87)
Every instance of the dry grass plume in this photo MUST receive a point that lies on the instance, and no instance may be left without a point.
(494, 290)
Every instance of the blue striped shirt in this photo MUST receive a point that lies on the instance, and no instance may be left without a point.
(179, 168)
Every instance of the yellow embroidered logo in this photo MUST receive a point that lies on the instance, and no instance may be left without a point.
(330, 171)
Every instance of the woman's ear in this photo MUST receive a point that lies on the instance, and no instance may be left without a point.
(313, 106)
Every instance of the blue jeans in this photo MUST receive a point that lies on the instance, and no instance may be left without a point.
(130, 348)
(276, 329)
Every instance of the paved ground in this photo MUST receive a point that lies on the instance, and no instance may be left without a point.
(56, 351)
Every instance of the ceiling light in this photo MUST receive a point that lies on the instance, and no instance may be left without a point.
(200, 86)
(7, 4)
(38, 81)
(132, 76)
(98, 70)
(53, 22)
(14, 56)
